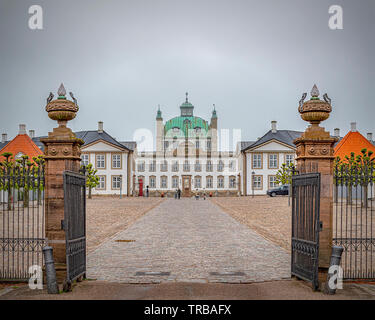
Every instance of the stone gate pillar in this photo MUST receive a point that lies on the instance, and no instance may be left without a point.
(315, 154)
(62, 152)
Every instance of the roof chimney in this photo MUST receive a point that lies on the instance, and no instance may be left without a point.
(22, 129)
(31, 133)
(273, 126)
(353, 126)
(336, 132)
(4, 137)
(100, 127)
(369, 136)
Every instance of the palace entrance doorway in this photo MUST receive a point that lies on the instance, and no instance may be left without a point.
(186, 186)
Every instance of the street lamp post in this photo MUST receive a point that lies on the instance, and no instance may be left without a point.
(120, 186)
(252, 179)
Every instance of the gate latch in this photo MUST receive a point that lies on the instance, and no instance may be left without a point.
(62, 225)
(320, 225)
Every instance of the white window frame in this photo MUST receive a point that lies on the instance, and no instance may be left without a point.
(197, 182)
(257, 161)
(85, 159)
(116, 163)
(175, 182)
(100, 161)
(163, 182)
(116, 182)
(273, 161)
(220, 182)
(209, 182)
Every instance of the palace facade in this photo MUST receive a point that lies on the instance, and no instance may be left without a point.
(187, 158)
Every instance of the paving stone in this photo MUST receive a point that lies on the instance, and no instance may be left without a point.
(190, 239)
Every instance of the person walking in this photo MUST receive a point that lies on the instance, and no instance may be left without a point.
(179, 193)
(204, 194)
(147, 192)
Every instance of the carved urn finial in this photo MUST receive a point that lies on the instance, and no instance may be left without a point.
(62, 110)
(315, 110)
(314, 92)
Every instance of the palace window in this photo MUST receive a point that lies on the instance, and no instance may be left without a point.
(175, 183)
(152, 182)
(166, 145)
(209, 144)
(257, 182)
(153, 166)
(197, 166)
(209, 166)
(220, 182)
(197, 130)
(101, 185)
(272, 161)
(116, 182)
(232, 182)
(175, 166)
(141, 166)
(186, 165)
(289, 159)
(164, 166)
(220, 166)
(257, 161)
(197, 144)
(272, 182)
(209, 182)
(232, 165)
(163, 182)
(85, 159)
(197, 182)
(100, 161)
(116, 161)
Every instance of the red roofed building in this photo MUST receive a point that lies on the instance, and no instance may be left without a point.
(353, 142)
(21, 145)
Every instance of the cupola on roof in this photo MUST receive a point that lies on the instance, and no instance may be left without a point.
(187, 108)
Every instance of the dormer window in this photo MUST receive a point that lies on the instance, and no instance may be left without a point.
(176, 129)
(197, 130)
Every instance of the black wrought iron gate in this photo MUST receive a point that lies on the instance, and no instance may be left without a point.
(305, 226)
(75, 224)
(22, 235)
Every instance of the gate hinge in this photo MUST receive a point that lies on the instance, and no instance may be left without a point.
(62, 225)
(320, 225)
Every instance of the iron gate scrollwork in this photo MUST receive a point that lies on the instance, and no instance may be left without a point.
(75, 224)
(305, 227)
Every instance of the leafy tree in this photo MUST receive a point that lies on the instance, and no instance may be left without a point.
(21, 175)
(285, 173)
(92, 180)
(7, 180)
(355, 170)
(39, 176)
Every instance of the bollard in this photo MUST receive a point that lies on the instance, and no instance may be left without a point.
(52, 286)
(335, 261)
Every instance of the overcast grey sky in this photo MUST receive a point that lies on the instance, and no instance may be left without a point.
(253, 59)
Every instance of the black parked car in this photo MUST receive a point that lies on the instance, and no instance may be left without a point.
(282, 190)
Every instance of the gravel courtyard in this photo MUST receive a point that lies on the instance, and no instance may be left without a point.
(108, 215)
(188, 241)
(270, 217)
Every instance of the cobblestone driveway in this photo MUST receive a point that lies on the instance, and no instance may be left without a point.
(188, 240)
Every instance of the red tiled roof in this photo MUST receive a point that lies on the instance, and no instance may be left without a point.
(21, 143)
(353, 142)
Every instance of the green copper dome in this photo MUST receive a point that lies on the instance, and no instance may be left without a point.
(184, 124)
